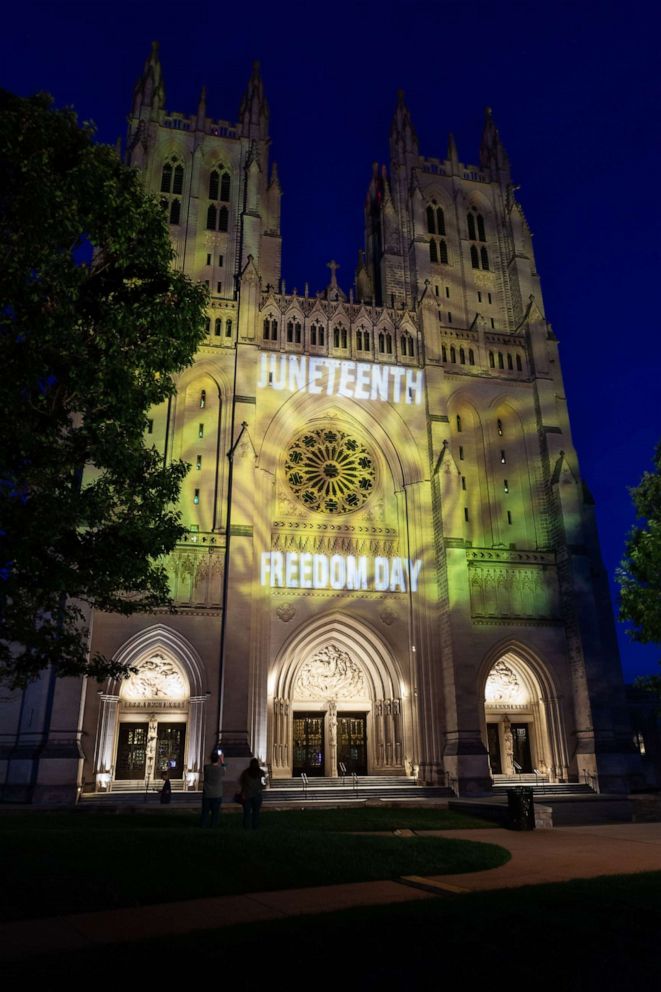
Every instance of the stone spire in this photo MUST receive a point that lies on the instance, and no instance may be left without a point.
(202, 109)
(403, 137)
(149, 91)
(254, 112)
(492, 151)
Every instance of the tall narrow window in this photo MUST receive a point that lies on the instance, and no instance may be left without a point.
(150, 426)
(485, 258)
(213, 185)
(313, 335)
(444, 353)
(463, 482)
(228, 328)
(433, 254)
(223, 219)
(509, 516)
(462, 356)
(382, 342)
(198, 463)
(458, 422)
(443, 252)
(492, 363)
(196, 497)
(506, 487)
(297, 333)
(440, 221)
(431, 226)
(471, 227)
(166, 178)
(208, 325)
(208, 259)
(200, 430)
(501, 364)
(499, 427)
(461, 452)
(225, 187)
(211, 218)
(290, 331)
(453, 354)
(503, 459)
(178, 180)
(475, 261)
(203, 399)
(466, 513)
(480, 228)
(471, 357)
(510, 364)
(175, 211)
(336, 337)
(519, 367)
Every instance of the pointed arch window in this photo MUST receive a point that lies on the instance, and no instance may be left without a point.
(453, 355)
(203, 399)
(213, 185)
(471, 357)
(178, 180)
(218, 327)
(471, 227)
(492, 362)
(475, 261)
(440, 220)
(166, 178)
(175, 211)
(270, 329)
(431, 220)
(519, 367)
(443, 252)
(223, 219)
(228, 328)
(225, 187)
(211, 218)
(462, 356)
(484, 255)
(433, 253)
(444, 353)
(480, 228)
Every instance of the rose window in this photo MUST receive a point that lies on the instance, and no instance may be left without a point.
(330, 471)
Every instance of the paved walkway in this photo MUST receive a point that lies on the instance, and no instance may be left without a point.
(541, 856)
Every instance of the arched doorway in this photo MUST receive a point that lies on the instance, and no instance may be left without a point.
(152, 722)
(523, 720)
(336, 704)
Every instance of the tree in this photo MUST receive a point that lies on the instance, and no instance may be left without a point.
(639, 575)
(94, 322)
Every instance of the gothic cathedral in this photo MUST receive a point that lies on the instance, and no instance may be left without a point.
(392, 564)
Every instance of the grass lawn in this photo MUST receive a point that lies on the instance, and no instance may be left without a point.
(65, 862)
(597, 934)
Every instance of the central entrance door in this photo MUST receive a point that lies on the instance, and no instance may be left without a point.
(170, 741)
(521, 746)
(352, 742)
(493, 735)
(132, 750)
(308, 744)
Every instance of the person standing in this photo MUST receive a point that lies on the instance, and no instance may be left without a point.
(252, 785)
(212, 789)
(166, 789)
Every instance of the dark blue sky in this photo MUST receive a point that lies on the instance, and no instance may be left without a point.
(576, 94)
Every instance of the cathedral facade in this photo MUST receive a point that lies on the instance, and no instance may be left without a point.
(391, 564)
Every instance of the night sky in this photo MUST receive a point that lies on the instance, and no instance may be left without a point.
(576, 95)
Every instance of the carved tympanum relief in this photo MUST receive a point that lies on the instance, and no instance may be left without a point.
(157, 678)
(504, 686)
(330, 673)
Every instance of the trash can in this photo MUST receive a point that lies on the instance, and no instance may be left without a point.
(520, 808)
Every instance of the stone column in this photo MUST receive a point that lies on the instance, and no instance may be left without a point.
(195, 763)
(103, 770)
